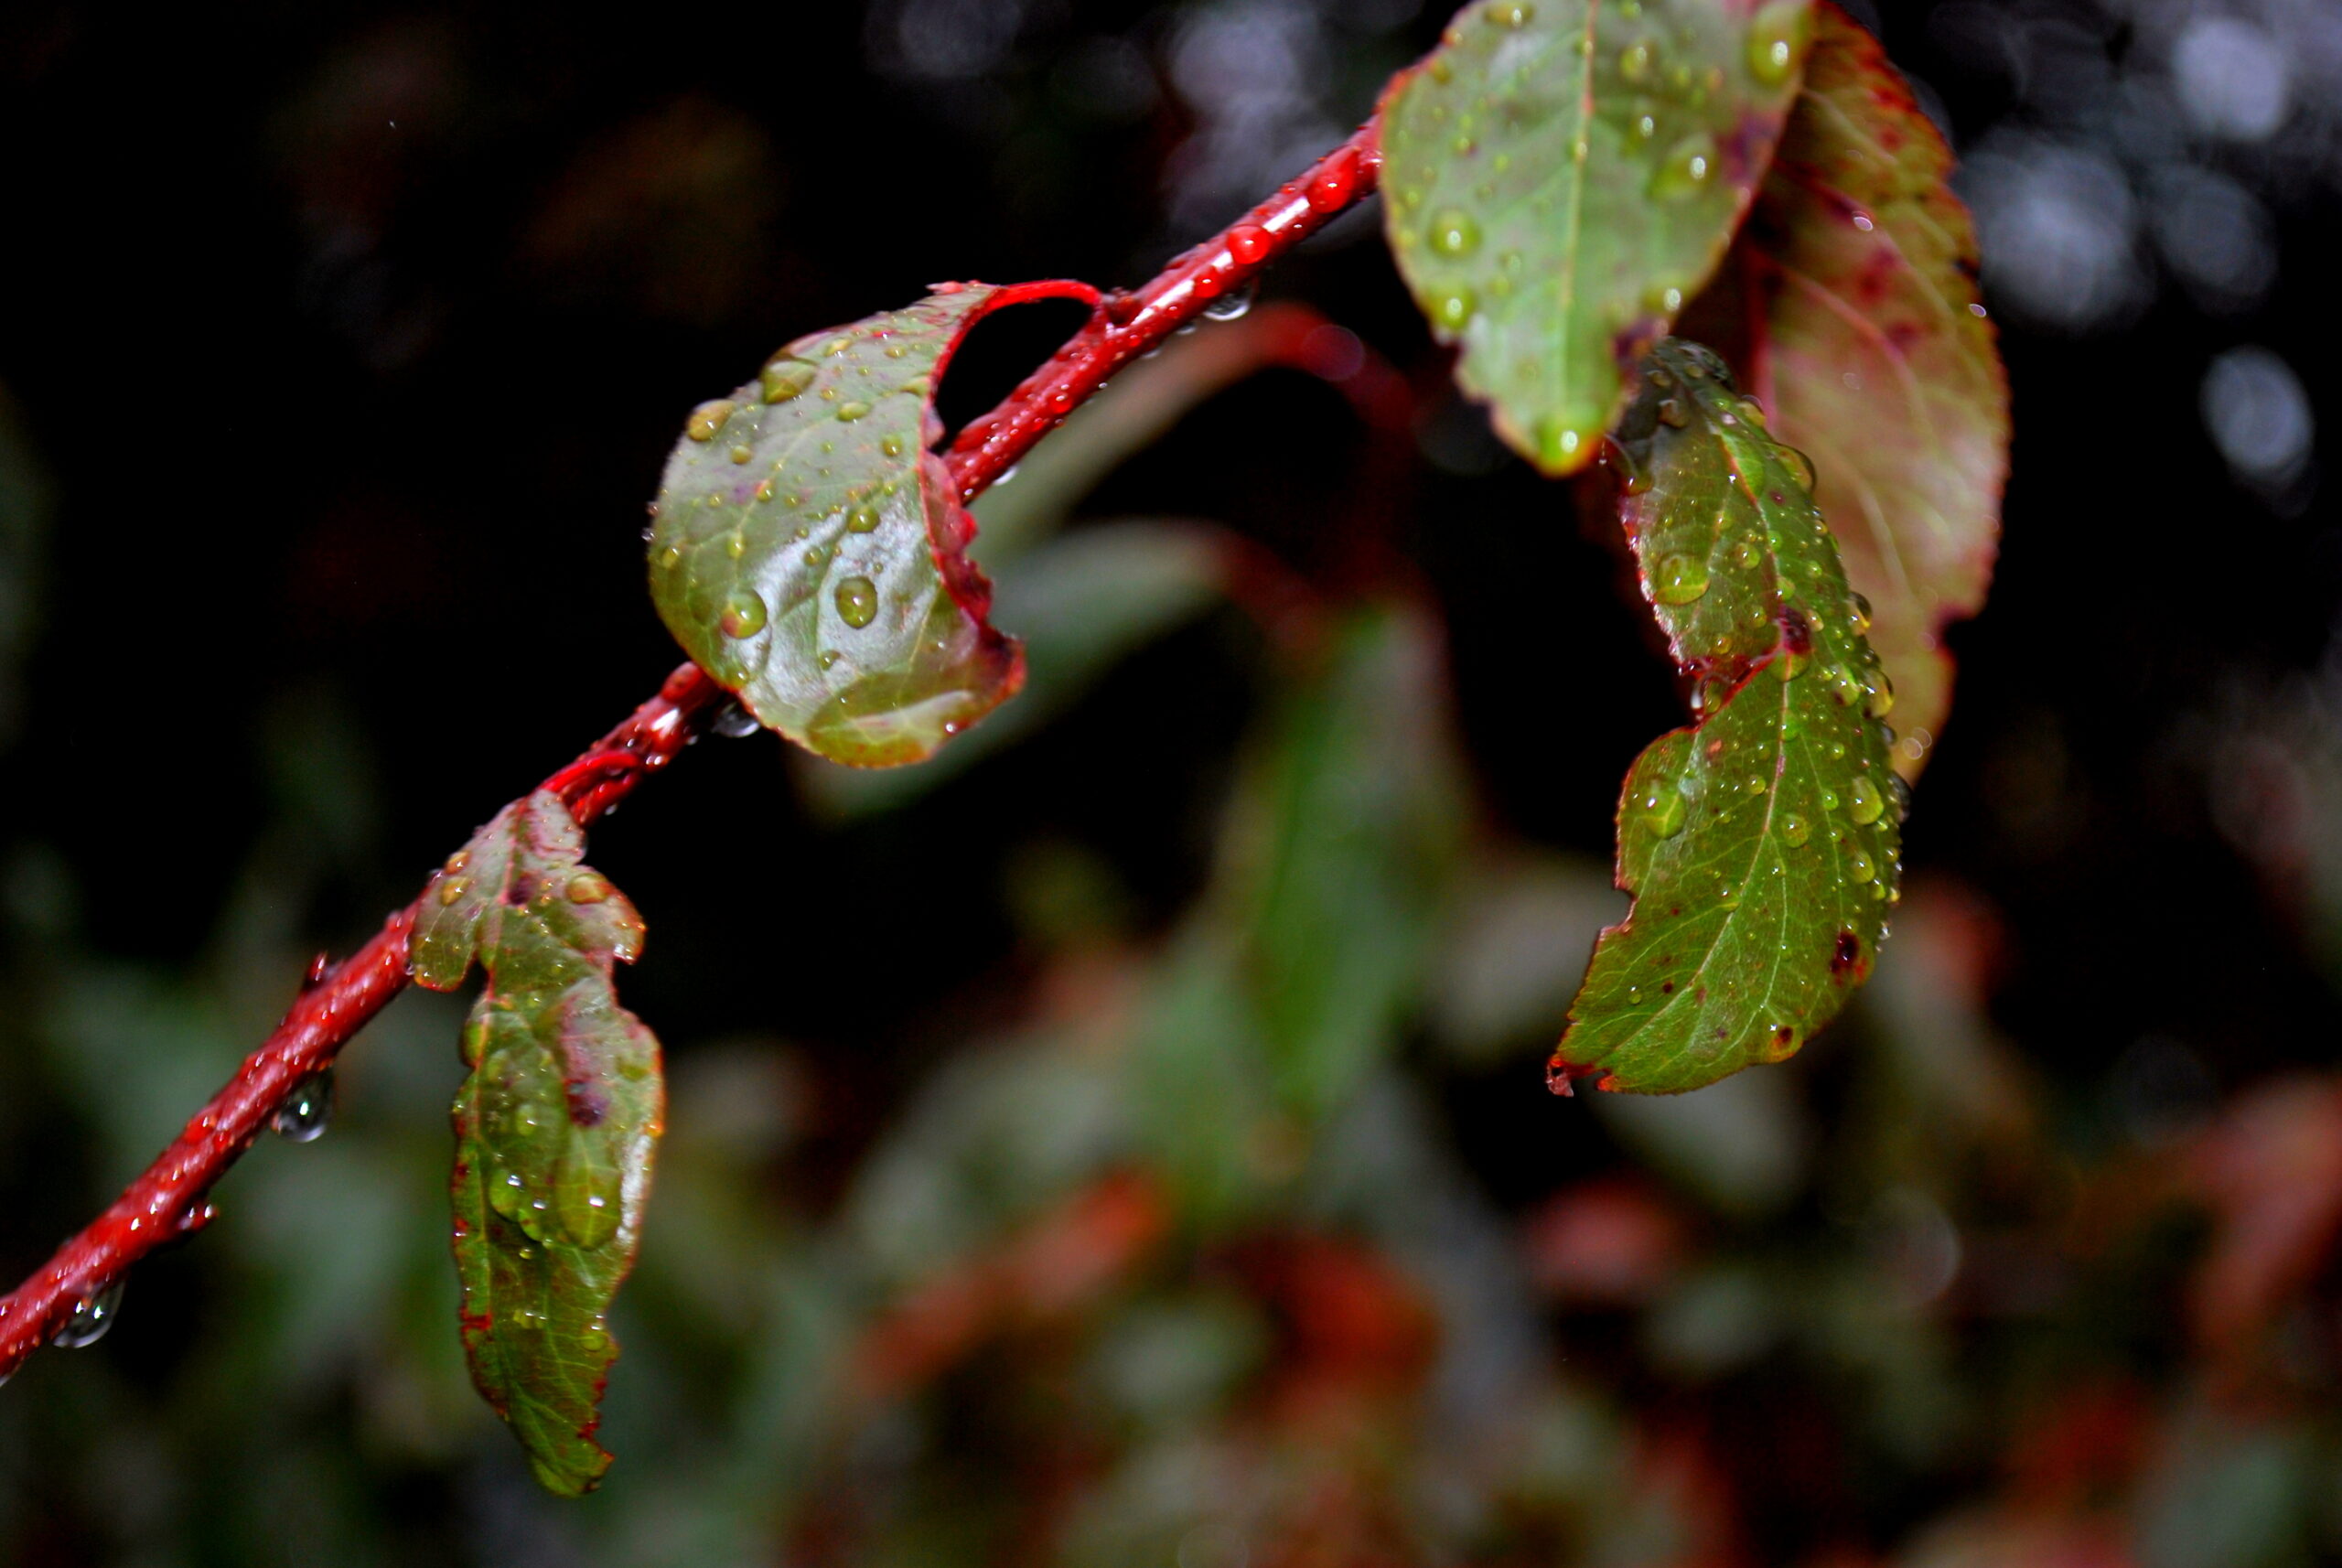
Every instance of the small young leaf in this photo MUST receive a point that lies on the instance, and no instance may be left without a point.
(555, 1126)
(1763, 844)
(1560, 177)
(1871, 350)
(810, 550)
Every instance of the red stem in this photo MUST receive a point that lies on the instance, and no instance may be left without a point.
(168, 1200)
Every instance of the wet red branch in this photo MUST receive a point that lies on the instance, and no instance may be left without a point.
(168, 1200)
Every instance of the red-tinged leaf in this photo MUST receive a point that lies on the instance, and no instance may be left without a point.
(1560, 177)
(811, 551)
(555, 1126)
(1763, 845)
(1870, 345)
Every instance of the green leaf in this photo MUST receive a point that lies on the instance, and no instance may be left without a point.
(1343, 841)
(811, 551)
(553, 1127)
(1871, 350)
(1562, 177)
(1763, 844)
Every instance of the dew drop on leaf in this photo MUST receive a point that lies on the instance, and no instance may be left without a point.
(1662, 806)
(744, 614)
(1859, 868)
(1686, 169)
(91, 1319)
(1863, 802)
(1773, 39)
(1679, 580)
(857, 602)
(1795, 831)
(302, 1118)
(1453, 233)
(708, 419)
(1454, 309)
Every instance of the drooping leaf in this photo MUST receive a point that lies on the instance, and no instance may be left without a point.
(1762, 846)
(555, 1126)
(1560, 177)
(1871, 350)
(810, 550)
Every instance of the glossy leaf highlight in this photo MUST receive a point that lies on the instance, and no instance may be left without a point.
(1762, 846)
(810, 550)
(1560, 177)
(555, 1125)
(1872, 350)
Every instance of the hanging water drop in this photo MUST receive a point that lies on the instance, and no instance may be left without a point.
(784, 379)
(708, 419)
(303, 1115)
(1864, 802)
(732, 722)
(91, 1319)
(1233, 304)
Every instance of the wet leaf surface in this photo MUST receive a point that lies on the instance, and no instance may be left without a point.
(555, 1125)
(1762, 846)
(810, 550)
(1561, 177)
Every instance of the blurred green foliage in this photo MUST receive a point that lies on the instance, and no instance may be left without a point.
(1175, 1257)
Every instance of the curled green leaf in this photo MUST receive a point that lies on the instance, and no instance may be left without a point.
(1762, 846)
(810, 550)
(555, 1125)
(1560, 177)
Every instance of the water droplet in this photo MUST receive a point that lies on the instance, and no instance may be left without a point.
(1878, 695)
(851, 409)
(1672, 413)
(1774, 39)
(452, 889)
(91, 1319)
(1745, 555)
(1755, 785)
(1660, 807)
(302, 1118)
(1686, 169)
(1859, 868)
(1863, 802)
(1513, 16)
(857, 601)
(1828, 798)
(1646, 127)
(708, 419)
(1634, 61)
(784, 379)
(1233, 304)
(1679, 580)
(669, 558)
(735, 546)
(1799, 466)
(1453, 233)
(1249, 242)
(892, 446)
(1843, 688)
(1858, 610)
(588, 887)
(1454, 309)
(862, 519)
(1794, 830)
(744, 614)
(1788, 664)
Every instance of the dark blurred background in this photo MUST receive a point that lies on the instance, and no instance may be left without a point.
(1048, 1180)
